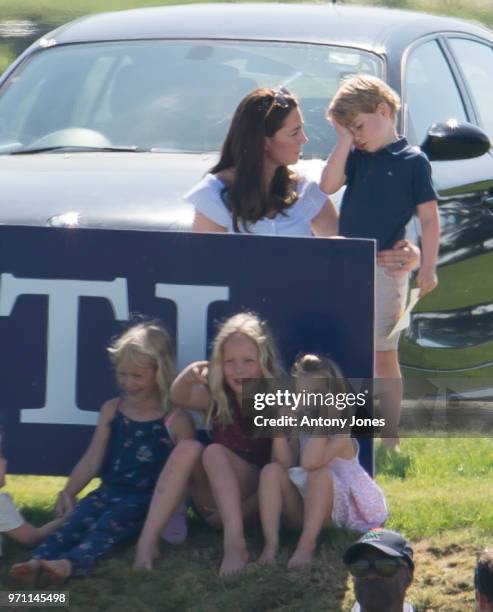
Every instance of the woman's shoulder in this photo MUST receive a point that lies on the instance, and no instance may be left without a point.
(207, 198)
(212, 182)
(226, 176)
(208, 183)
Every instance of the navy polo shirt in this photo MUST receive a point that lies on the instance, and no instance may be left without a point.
(382, 191)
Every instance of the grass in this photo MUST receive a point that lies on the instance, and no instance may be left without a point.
(439, 493)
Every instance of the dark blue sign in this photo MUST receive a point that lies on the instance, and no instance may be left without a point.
(65, 292)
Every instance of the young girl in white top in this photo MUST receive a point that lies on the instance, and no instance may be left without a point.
(132, 441)
(316, 480)
(12, 523)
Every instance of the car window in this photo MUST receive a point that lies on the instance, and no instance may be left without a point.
(166, 95)
(476, 62)
(431, 94)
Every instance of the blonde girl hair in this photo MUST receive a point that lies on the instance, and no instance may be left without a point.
(146, 342)
(362, 94)
(320, 367)
(256, 330)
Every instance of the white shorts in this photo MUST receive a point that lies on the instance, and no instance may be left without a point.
(390, 302)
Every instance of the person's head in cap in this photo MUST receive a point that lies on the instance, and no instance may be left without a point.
(483, 581)
(381, 563)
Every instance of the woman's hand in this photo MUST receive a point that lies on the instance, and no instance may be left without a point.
(403, 257)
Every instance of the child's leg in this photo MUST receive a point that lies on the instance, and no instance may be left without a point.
(169, 492)
(390, 301)
(277, 494)
(71, 532)
(120, 522)
(389, 390)
(318, 508)
(232, 479)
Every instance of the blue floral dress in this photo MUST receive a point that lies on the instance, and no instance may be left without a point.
(115, 511)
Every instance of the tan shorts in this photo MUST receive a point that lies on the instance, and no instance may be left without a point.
(390, 302)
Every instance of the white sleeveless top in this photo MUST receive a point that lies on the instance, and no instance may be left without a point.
(10, 517)
(206, 197)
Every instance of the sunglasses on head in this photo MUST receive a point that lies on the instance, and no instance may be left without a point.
(385, 567)
(279, 100)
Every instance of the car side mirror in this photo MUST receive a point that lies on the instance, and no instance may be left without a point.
(453, 140)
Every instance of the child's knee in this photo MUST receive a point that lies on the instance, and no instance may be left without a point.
(212, 454)
(272, 472)
(187, 450)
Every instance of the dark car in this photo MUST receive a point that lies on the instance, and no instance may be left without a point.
(108, 120)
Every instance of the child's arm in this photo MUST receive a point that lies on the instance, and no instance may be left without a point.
(190, 388)
(284, 451)
(29, 535)
(326, 223)
(430, 240)
(180, 425)
(89, 465)
(334, 172)
(319, 451)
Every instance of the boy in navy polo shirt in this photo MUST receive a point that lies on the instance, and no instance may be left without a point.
(387, 182)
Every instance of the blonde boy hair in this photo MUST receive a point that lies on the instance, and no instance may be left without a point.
(249, 325)
(147, 344)
(362, 94)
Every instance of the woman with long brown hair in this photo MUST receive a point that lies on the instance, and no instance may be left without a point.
(255, 188)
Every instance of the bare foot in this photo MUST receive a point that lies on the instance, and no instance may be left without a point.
(301, 558)
(145, 556)
(55, 572)
(268, 555)
(25, 573)
(234, 561)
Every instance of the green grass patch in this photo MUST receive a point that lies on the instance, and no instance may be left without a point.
(439, 493)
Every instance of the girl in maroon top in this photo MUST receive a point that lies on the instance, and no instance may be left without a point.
(222, 478)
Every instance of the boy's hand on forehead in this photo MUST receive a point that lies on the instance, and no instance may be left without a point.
(342, 131)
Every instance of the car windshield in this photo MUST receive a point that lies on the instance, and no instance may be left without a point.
(174, 96)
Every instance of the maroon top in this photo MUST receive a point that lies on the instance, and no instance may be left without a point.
(240, 437)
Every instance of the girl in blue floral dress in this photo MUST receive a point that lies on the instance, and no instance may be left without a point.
(129, 447)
